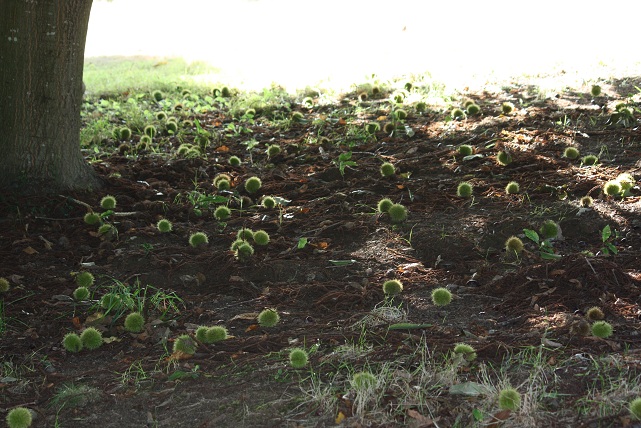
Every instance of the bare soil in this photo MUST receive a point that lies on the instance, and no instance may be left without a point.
(501, 304)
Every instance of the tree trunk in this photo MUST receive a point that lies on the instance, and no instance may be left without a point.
(42, 45)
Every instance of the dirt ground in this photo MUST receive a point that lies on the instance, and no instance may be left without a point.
(324, 289)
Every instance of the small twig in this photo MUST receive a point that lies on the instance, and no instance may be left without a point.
(589, 264)
(77, 202)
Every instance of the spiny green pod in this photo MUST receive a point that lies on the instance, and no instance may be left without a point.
(509, 399)
(595, 314)
(19, 417)
(397, 213)
(91, 338)
(150, 131)
(234, 161)
(421, 107)
(252, 184)
(400, 114)
(507, 108)
(384, 205)
(273, 150)
(268, 318)
(389, 127)
(503, 158)
(612, 188)
(261, 237)
(589, 160)
(164, 225)
(373, 127)
(134, 322)
(457, 113)
(185, 344)
(392, 287)
(441, 296)
(473, 109)
(84, 279)
(161, 116)
(237, 243)
(298, 358)
(602, 329)
(225, 92)
(91, 218)
(157, 95)
(245, 234)
(587, 201)
(171, 127)
(467, 351)
(364, 381)
(72, 342)
(125, 133)
(595, 90)
(635, 408)
(222, 213)
(219, 177)
(215, 334)
(244, 251)
(201, 334)
(571, 153)
(268, 202)
(512, 188)
(111, 301)
(387, 169)
(514, 245)
(197, 239)
(465, 149)
(297, 116)
(4, 285)
(108, 203)
(549, 229)
(81, 293)
(464, 190)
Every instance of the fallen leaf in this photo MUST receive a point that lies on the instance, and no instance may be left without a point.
(550, 343)
(245, 316)
(340, 418)
(342, 121)
(423, 420)
(222, 149)
(178, 355)
(111, 339)
(557, 272)
(30, 251)
(48, 244)
(400, 186)
(95, 318)
(252, 327)
(76, 323)
(499, 418)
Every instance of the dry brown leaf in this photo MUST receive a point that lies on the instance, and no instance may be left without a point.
(245, 316)
(29, 250)
(557, 272)
(179, 355)
(423, 420)
(498, 418)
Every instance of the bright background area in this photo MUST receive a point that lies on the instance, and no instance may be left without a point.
(299, 42)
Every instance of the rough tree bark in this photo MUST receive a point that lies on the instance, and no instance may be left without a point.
(42, 44)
